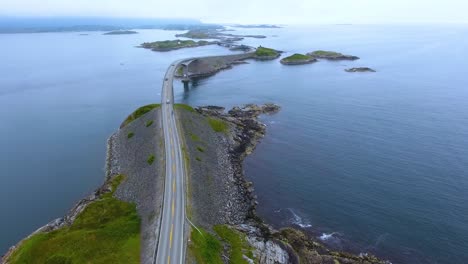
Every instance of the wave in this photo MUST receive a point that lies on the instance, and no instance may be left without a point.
(299, 221)
(325, 236)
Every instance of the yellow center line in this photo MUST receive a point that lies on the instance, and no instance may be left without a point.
(170, 236)
(173, 154)
(173, 185)
(173, 167)
(173, 208)
(168, 259)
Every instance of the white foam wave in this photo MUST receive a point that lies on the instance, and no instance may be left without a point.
(325, 236)
(297, 220)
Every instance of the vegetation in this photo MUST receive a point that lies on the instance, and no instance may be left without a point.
(173, 44)
(205, 247)
(180, 71)
(325, 53)
(266, 52)
(107, 231)
(149, 123)
(198, 158)
(130, 135)
(185, 107)
(194, 137)
(150, 159)
(237, 244)
(218, 125)
(200, 149)
(297, 57)
(138, 113)
(196, 34)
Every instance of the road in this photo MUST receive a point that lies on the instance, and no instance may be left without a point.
(171, 244)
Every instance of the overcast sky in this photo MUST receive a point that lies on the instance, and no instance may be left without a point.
(253, 11)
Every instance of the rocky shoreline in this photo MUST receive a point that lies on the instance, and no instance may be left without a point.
(237, 199)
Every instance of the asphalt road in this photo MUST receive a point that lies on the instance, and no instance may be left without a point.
(171, 244)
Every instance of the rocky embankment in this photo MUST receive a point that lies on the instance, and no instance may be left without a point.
(219, 193)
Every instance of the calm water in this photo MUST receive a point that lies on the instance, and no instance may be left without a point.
(380, 160)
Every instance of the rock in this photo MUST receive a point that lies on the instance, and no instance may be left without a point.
(360, 69)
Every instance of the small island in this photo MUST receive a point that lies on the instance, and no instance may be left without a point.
(262, 53)
(168, 45)
(298, 59)
(360, 69)
(121, 32)
(214, 34)
(331, 55)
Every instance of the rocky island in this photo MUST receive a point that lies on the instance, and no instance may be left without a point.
(168, 45)
(215, 34)
(298, 59)
(360, 69)
(121, 32)
(331, 55)
(262, 53)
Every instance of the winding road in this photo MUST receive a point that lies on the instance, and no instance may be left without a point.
(171, 243)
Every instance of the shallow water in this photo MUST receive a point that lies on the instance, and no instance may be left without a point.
(379, 159)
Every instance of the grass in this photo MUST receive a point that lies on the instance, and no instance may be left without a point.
(107, 231)
(150, 159)
(200, 149)
(138, 113)
(205, 247)
(218, 125)
(172, 44)
(265, 52)
(237, 244)
(194, 137)
(149, 123)
(180, 70)
(198, 158)
(130, 135)
(297, 57)
(325, 53)
(185, 107)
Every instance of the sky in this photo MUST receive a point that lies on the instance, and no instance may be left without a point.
(253, 11)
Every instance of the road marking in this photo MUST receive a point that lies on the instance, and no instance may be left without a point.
(173, 167)
(168, 259)
(173, 208)
(173, 153)
(170, 236)
(173, 185)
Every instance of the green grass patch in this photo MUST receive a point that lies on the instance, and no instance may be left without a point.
(194, 137)
(218, 125)
(138, 113)
(324, 53)
(130, 135)
(149, 123)
(200, 149)
(150, 159)
(198, 158)
(184, 107)
(237, 243)
(107, 231)
(297, 57)
(205, 247)
(265, 52)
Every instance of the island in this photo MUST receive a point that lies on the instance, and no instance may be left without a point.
(262, 53)
(121, 32)
(214, 34)
(298, 59)
(331, 55)
(168, 45)
(360, 69)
